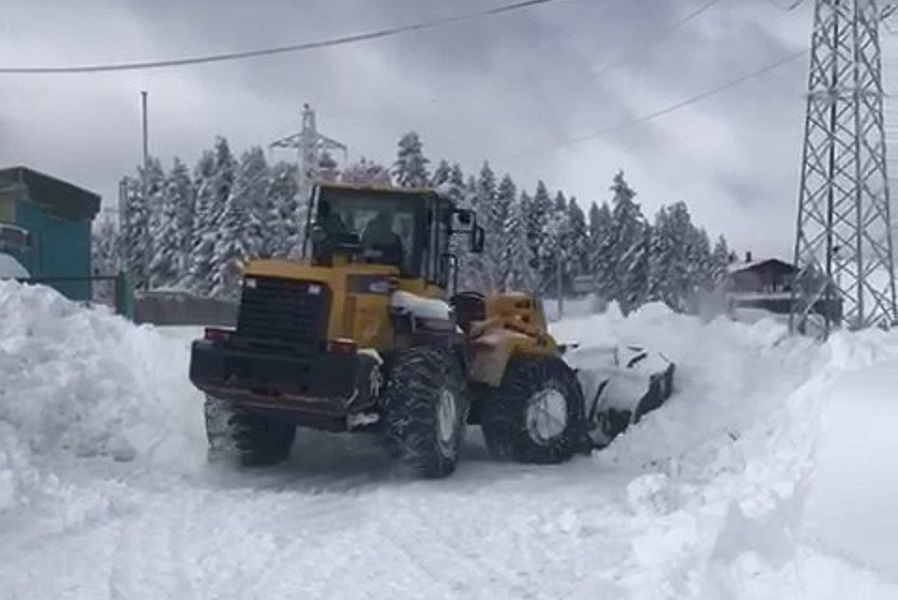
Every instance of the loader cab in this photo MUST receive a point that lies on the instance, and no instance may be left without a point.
(408, 229)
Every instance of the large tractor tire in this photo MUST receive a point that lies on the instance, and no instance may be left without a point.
(536, 415)
(426, 407)
(256, 440)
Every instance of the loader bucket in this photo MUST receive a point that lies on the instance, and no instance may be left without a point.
(620, 385)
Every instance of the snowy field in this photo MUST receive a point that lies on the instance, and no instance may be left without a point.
(769, 475)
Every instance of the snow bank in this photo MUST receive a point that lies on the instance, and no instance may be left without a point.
(764, 476)
(84, 382)
(769, 474)
(854, 482)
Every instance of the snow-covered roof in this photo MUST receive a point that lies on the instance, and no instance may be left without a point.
(752, 264)
(64, 198)
(10, 268)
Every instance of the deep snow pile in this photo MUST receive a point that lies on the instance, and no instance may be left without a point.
(754, 480)
(85, 383)
(740, 487)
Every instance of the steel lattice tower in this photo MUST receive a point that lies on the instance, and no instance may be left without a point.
(843, 245)
(309, 144)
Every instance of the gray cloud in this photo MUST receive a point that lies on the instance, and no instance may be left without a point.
(511, 89)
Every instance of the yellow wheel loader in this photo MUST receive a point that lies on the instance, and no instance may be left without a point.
(366, 333)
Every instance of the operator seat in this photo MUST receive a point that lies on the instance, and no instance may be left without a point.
(379, 235)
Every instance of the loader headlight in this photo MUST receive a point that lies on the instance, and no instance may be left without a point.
(250, 282)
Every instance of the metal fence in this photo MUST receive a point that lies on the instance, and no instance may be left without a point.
(109, 290)
(182, 308)
(159, 307)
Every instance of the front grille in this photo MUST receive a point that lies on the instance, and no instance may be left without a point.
(282, 315)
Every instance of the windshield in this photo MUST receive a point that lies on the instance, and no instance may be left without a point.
(383, 227)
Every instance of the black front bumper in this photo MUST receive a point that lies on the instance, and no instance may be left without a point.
(325, 384)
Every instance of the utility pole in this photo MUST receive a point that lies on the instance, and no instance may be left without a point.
(843, 242)
(559, 282)
(309, 144)
(144, 161)
(145, 129)
(144, 183)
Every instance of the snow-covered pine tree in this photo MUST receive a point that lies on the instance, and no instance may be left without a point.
(601, 260)
(180, 192)
(287, 218)
(628, 243)
(673, 254)
(449, 181)
(538, 211)
(252, 181)
(410, 168)
(683, 234)
(105, 245)
(661, 258)
(214, 180)
(487, 264)
(521, 276)
(105, 258)
(136, 241)
(366, 172)
(635, 275)
(578, 240)
(720, 260)
(531, 234)
(556, 258)
(506, 235)
(155, 192)
(441, 173)
(241, 230)
(699, 270)
(143, 199)
(470, 266)
(166, 266)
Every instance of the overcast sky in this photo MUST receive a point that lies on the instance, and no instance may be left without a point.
(514, 89)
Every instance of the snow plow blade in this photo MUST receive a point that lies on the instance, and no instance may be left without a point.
(620, 384)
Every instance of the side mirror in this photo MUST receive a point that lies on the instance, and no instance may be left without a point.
(478, 237)
(460, 220)
(237, 267)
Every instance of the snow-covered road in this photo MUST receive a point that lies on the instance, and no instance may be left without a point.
(730, 491)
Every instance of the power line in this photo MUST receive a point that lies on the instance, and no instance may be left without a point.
(667, 31)
(673, 107)
(229, 56)
(790, 7)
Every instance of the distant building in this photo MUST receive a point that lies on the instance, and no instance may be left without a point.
(45, 224)
(770, 277)
(767, 285)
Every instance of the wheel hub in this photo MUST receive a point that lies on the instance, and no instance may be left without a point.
(447, 417)
(546, 415)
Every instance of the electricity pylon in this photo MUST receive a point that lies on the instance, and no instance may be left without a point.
(843, 244)
(309, 144)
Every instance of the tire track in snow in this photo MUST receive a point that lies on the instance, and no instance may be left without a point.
(255, 541)
(148, 561)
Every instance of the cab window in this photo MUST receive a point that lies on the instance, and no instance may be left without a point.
(383, 227)
(438, 227)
